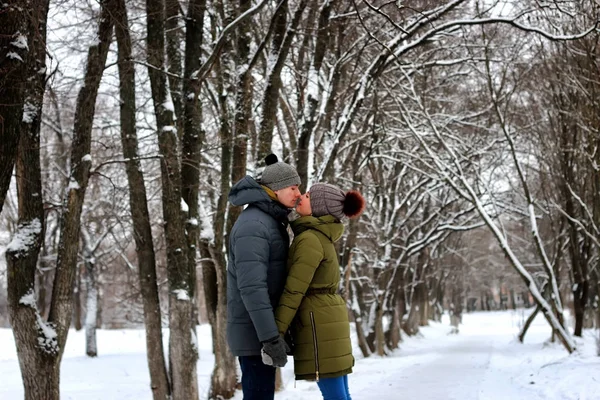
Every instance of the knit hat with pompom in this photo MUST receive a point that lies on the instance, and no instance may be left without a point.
(278, 175)
(326, 199)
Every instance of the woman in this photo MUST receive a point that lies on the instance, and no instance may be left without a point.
(310, 305)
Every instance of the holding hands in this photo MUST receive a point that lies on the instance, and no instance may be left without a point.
(274, 352)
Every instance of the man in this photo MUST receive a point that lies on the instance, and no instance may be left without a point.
(256, 273)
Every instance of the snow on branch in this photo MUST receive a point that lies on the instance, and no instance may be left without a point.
(25, 236)
(220, 42)
(47, 338)
(182, 294)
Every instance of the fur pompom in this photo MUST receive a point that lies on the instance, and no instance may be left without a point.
(354, 204)
(271, 159)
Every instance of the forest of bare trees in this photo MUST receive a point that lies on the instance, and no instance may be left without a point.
(472, 128)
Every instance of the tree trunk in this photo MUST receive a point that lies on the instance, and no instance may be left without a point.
(36, 341)
(411, 325)
(223, 381)
(91, 305)
(138, 203)
(193, 136)
(528, 323)
(358, 319)
(242, 117)
(14, 27)
(183, 353)
(423, 302)
(309, 115)
(395, 335)
(379, 331)
(174, 36)
(77, 308)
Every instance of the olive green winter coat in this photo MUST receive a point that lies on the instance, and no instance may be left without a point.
(310, 304)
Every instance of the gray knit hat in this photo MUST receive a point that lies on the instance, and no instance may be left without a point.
(326, 199)
(278, 175)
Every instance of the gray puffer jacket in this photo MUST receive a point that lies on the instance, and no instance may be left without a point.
(256, 270)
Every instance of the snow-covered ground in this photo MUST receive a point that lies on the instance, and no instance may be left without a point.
(484, 362)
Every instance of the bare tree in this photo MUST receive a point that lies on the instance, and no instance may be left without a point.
(183, 352)
(139, 209)
(40, 344)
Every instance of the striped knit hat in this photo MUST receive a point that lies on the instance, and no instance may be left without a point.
(326, 199)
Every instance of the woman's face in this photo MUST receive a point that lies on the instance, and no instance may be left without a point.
(303, 205)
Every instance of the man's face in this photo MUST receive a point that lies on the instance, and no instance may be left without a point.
(288, 196)
(303, 207)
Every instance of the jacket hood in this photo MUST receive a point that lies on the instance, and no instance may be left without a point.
(248, 191)
(328, 225)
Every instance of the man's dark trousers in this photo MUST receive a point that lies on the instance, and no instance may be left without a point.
(258, 379)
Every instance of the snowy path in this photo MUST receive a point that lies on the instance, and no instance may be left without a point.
(456, 369)
(483, 362)
(448, 372)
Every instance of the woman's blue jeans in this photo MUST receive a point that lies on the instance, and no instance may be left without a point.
(335, 388)
(258, 379)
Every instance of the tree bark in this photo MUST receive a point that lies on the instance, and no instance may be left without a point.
(138, 203)
(363, 344)
(528, 323)
(77, 308)
(174, 36)
(395, 336)
(193, 135)
(183, 352)
(91, 312)
(14, 49)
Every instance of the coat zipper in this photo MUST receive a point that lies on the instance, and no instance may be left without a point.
(314, 331)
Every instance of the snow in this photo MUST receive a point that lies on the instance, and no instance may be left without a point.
(25, 236)
(14, 56)
(28, 299)
(47, 337)
(20, 42)
(483, 361)
(169, 129)
(168, 104)
(206, 231)
(73, 184)
(87, 158)
(181, 294)
(30, 111)
(313, 83)
(194, 340)
(184, 206)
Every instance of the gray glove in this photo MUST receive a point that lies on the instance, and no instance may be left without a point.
(274, 352)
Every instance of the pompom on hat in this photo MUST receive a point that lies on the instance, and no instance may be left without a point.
(326, 199)
(278, 175)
